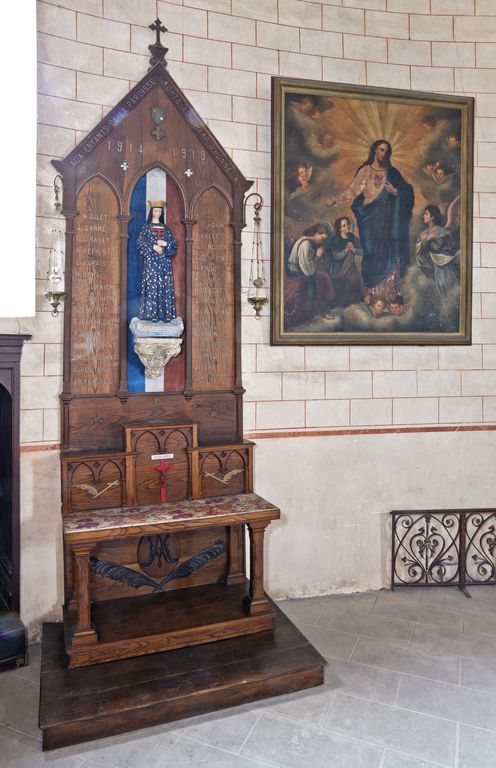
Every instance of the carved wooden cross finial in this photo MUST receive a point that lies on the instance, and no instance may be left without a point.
(157, 27)
(157, 50)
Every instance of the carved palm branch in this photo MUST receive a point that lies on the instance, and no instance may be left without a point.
(227, 477)
(134, 579)
(91, 490)
(194, 563)
(121, 573)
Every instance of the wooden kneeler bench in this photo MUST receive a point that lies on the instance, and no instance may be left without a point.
(155, 620)
(166, 663)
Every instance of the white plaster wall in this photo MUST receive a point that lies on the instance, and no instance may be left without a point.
(42, 580)
(335, 495)
(223, 53)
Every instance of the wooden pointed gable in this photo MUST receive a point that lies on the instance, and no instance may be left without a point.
(119, 122)
(154, 128)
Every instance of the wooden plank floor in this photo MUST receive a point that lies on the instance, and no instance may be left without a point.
(92, 702)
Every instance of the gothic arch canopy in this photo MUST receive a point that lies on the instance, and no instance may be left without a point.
(154, 126)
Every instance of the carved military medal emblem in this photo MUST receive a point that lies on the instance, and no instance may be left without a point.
(158, 117)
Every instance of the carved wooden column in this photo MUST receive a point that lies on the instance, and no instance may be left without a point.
(188, 243)
(83, 633)
(235, 572)
(255, 601)
(124, 237)
(130, 479)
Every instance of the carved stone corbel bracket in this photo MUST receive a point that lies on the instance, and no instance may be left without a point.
(155, 353)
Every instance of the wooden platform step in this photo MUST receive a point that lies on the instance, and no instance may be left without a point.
(78, 705)
(164, 621)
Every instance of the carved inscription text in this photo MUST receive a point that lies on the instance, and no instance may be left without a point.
(212, 293)
(95, 292)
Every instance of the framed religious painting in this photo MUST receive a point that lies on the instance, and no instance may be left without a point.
(371, 215)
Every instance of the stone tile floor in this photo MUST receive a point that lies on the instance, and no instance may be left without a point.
(410, 683)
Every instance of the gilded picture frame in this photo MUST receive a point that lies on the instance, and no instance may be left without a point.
(371, 215)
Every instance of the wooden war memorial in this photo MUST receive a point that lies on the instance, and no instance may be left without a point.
(157, 480)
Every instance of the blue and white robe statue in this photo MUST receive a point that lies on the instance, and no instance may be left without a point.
(157, 283)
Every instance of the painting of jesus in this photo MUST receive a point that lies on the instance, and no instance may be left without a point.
(364, 165)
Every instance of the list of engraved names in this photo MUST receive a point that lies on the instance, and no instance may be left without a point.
(95, 305)
(212, 288)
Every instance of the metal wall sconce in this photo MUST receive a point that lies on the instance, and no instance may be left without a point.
(257, 289)
(55, 277)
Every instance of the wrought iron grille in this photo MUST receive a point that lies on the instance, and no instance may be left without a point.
(444, 547)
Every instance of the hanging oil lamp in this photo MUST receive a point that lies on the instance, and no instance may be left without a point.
(257, 289)
(55, 277)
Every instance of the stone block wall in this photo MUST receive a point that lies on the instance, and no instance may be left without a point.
(385, 411)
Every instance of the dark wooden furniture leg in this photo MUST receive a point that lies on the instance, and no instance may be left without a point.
(235, 573)
(255, 601)
(84, 632)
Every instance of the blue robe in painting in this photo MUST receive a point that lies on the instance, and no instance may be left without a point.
(157, 284)
(383, 226)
